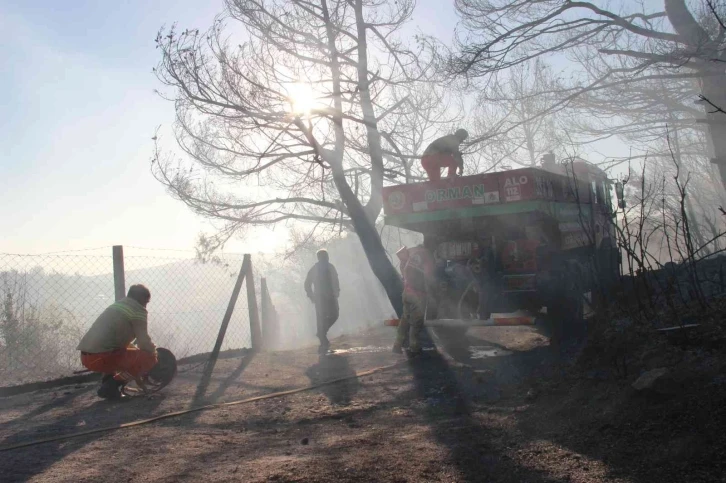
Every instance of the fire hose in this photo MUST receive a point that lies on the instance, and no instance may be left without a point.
(197, 409)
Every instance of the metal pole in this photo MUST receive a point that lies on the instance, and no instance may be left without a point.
(255, 332)
(227, 315)
(119, 276)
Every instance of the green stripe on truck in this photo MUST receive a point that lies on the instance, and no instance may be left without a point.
(548, 207)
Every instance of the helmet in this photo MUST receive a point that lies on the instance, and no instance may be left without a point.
(461, 134)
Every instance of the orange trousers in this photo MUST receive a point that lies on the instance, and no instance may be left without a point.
(125, 364)
(433, 163)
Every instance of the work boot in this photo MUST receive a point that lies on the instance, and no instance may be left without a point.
(110, 389)
(324, 347)
(414, 354)
(414, 348)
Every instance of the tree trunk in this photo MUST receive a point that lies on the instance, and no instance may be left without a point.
(375, 203)
(713, 90)
(363, 219)
(712, 82)
(370, 240)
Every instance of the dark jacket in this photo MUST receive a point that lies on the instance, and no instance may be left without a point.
(322, 282)
(445, 145)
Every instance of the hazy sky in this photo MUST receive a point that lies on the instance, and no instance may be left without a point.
(76, 119)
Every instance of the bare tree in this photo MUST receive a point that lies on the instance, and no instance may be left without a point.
(508, 110)
(621, 53)
(657, 112)
(296, 118)
(431, 110)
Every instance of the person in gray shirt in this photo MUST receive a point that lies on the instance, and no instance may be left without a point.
(323, 288)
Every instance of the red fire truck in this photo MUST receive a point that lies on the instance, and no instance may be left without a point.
(511, 245)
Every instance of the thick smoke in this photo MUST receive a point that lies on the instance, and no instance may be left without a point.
(363, 302)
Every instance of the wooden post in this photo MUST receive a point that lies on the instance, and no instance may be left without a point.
(227, 316)
(270, 322)
(265, 312)
(119, 276)
(255, 332)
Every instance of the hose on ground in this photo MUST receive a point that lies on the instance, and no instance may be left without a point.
(197, 409)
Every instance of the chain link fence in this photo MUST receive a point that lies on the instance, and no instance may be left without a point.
(47, 302)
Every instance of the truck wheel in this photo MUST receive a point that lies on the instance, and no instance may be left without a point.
(607, 269)
(565, 315)
(574, 319)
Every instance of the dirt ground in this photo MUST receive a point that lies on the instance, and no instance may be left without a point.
(501, 411)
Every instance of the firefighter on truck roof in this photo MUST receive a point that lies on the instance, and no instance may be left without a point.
(444, 152)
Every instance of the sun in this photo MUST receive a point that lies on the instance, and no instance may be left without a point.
(302, 98)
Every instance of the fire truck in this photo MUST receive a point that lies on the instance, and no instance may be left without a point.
(512, 247)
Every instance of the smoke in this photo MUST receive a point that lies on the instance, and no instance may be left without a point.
(363, 301)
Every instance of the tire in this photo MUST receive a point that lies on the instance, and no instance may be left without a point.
(607, 268)
(565, 315)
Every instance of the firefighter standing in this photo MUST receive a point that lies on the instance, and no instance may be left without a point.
(442, 153)
(417, 268)
(323, 288)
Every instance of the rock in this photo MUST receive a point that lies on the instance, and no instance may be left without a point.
(531, 395)
(659, 381)
(304, 441)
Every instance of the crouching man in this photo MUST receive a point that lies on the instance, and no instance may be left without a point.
(106, 347)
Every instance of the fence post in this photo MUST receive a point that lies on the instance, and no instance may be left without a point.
(119, 276)
(255, 332)
(227, 316)
(264, 312)
(270, 323)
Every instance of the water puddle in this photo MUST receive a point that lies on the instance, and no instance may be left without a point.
(369, 350)
(477, 352)
(361, 350)
(483, 352)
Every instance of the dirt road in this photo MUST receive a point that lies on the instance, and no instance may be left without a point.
(499, 412)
